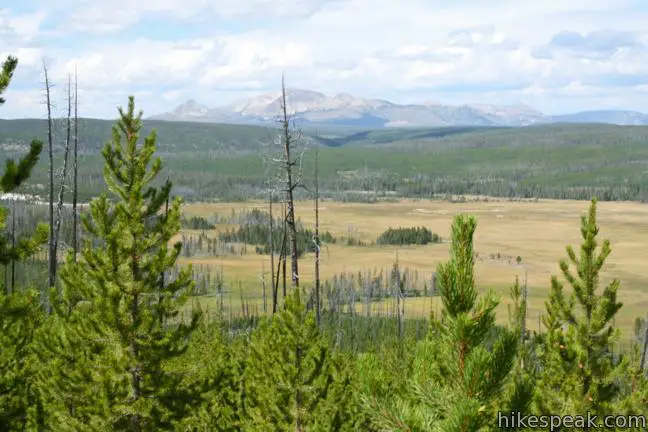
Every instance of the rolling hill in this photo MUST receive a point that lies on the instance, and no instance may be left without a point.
(224, 161)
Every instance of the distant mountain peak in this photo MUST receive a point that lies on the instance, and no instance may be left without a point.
(191, 108)
(618, 117)
(314, 107)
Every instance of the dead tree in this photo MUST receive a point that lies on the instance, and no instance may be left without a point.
(263, 288)
(286, 164)
(279, 262)
(52, 254)
(523, 330)
(272, 279)
(642, 364)
(75, 187)
(284, 250)
(398, 287)
(288, 140)
(316, 240)
(13, 245)
(59, 207)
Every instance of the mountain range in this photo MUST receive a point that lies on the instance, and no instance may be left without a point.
(309, 107)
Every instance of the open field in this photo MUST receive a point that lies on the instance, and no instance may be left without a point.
(536, 231)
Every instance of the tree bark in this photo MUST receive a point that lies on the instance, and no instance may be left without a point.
(284, 251)
(317, 243)
(13, 245)
(645, 347)
(59, 207)
(52, 254)
(75, 190)
(290, 186)
(274, 286)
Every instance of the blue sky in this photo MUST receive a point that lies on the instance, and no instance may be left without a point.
(557, 56)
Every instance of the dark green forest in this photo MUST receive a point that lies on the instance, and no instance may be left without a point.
(117, 344)
(229, 162)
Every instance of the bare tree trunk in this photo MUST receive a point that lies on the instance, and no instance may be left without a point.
(397, 283)
(52, 254)
(284, 251)
(290, 186)
(317, 243)
(161, 287)
(274, 286)
(75, 190)
(279, 262)
(263, 287)
(642, 364)
(13, 245)
(59, 207)
(523, 318)
(284, 259)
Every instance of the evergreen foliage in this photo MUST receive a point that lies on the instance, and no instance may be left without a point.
(196, 223)
(133, 315)
(211, 370)
(259, 234)
(458, 374)
(20, 312)
(408, 236)
(6, 74)
(292, 380)
(580, 372)
(20, 317)
(14, 175)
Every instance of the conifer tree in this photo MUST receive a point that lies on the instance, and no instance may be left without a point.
(211, 371)
(13, 176)
(20, 317)
(635, 385)
(292, 380)
(20, 314)
(459, 372)
(580, 373)
(134, 317)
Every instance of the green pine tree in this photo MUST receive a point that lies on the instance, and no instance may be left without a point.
(14, 175)
(292, 380)
(211, 369)
(75, 376)
(20, 313)
(20, 317)
(460, 372)
(384, 386)
(115, 289)
(580, 373)
(523, 375)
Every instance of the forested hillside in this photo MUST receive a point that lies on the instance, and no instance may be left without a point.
(230, 161)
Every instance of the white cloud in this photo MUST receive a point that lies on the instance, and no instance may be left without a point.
(101, 16)
(505, 50)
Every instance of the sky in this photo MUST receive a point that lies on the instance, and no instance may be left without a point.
(557, 56)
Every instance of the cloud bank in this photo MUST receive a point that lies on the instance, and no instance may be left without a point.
(554, 55)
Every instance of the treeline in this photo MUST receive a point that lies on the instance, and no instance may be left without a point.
(257, 232)
(196, 223)
(408, 236)
(574, 163)
(119, 346)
